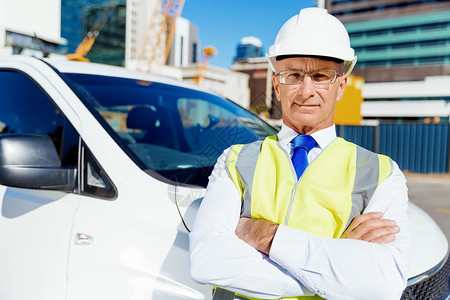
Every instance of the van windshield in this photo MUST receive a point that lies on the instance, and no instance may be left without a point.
(173, 132)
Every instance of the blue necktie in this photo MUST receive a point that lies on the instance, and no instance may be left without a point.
(301, 145)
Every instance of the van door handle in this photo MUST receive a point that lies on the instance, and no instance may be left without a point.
(83, 239)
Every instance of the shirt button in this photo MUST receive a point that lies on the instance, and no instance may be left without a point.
(321, 293)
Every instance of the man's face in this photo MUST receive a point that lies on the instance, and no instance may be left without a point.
(308, 107)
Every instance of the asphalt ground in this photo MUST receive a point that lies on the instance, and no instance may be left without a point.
(431, 192)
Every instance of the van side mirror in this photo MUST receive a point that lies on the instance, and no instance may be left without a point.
(31, 161)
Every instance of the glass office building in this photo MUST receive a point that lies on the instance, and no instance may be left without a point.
(403, 50)
(397, 40)
(249, 47)
(71, 28)
(78, 17)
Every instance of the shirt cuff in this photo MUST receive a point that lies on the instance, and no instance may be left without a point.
(290, 250)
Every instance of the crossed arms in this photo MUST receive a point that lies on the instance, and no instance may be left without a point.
(369, 227)
(260, 259)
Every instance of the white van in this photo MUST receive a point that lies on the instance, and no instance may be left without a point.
(101, 172)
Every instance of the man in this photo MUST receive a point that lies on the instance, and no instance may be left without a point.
(338, 230)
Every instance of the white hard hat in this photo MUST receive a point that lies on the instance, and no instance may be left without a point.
(313, 32)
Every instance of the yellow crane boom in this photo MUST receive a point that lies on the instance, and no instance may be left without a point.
(159, 35)
(88, 41)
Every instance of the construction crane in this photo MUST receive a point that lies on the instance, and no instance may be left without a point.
(88, 41)
(200, 71)
(159, 36)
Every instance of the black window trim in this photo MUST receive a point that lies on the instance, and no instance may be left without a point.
(82, 149)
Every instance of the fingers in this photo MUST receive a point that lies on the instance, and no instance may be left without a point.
(383, 234)
(371, 228)
(383, 237)
(364, 218)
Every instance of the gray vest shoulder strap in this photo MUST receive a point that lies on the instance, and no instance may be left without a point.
(366, 180)
(246, 166)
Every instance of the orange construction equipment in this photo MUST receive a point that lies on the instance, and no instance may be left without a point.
(200, 71)
(85, 46)
(348, 109)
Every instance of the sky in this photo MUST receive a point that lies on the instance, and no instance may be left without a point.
(223, 23)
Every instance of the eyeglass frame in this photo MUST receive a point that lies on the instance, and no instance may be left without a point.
(336, 75)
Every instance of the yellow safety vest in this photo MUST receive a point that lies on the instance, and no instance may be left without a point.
(335, 187)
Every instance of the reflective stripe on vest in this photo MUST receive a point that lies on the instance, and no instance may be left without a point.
(336, 187)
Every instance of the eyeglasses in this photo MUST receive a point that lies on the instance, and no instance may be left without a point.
(319, 77)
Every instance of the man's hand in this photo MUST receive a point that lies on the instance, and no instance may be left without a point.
(371, 228)
(257, 233)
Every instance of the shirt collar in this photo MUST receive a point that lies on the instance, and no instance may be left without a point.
(323, 137)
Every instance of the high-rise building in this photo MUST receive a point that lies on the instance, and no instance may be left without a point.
(249, 47)
(78, 17)
(142, 29)
(397, 40)
(71, 25)
(109, 46)
(403, 50)
(185, 48)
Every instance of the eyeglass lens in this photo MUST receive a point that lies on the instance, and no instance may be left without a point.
(318, 77)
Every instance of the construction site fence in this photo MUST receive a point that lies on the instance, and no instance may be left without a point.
(417, 148)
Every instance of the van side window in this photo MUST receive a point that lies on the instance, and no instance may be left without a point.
(26, 108)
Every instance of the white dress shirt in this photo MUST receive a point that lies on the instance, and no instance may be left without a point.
(299, 263)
